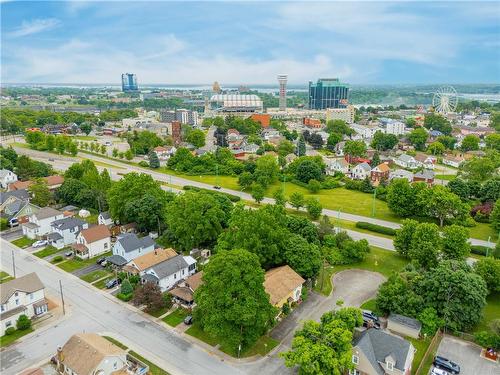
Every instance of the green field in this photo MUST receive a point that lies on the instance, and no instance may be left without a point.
(421, 346)
(9, 339)
(483, 231)
(196, 331)
(23, 242)
(176, 317)
(101, 284)
(49, 250)
(447, 177)
(490, 312)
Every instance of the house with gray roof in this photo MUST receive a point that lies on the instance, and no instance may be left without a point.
(8, 196)
(17, 209)
(407, 161)
(404, 326)
(104, 218)
(64, 231)
(22, 296)
(39, 223)
(377, 352)
(128, 246)
(170, 272)
(7, 177)
(401, 173)
(361, 171)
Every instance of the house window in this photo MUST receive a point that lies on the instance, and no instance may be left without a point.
(355, 359)
(182, 272)
(105, 245)
(175, 276)
(390, 366)
(8, 324)
(354, 372)
(17, 301)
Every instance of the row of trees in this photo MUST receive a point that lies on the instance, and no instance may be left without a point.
(48, 142)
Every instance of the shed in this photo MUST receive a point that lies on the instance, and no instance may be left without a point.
(404, 326)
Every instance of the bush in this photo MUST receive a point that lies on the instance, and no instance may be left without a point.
(376, 228)
(304, 294)
(23, 323)
(232, 198)
(3, 223)
(9, 331)
(487, 340)
(330, 183)
(57, 259)
(126, 288)
(143, 164)
(286, 309)
(125, 297)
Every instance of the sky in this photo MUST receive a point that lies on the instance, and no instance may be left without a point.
(250, 42)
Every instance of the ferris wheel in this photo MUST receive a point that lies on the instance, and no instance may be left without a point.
(445, 99)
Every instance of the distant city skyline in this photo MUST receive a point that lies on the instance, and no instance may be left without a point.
(250, 43)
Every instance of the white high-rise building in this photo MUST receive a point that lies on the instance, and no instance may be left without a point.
(282, 79)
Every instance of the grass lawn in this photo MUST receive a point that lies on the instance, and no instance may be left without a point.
(490, 312)
(482, 231)
(3, 274)
(421, 345)
(159, 312)
(76, 263)
(23, 242)
(6, 278)
(447, 177)
(228, 182)
(197, 332)
(370, 305)
(426, 366)
(263, 346)
(9, 339)
(176, 317)
(49, 250)
(153, 369)
(102, 283)
(91, 219)
(116, 342)
(84, 138)
(105, 165)
(94, 276)
(324, 282)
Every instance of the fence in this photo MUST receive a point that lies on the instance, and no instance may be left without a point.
(423, 367)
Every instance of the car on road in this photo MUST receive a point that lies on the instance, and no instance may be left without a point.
(188, 320)
(446, 364)
(108, 143)
(217, 187)
(51, 159)
(100, 260)
(112, 283)
(104, 263)
(69, 254)
(39, 243)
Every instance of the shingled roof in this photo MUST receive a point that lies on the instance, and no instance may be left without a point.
(28, 283)
(280, 282)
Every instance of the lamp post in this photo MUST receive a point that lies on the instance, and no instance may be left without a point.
(373, 204)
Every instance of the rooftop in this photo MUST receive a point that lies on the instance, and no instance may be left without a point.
(28, 283)
(280, 282)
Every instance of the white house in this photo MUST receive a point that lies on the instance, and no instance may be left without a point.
(453, 161)
(64, 231)
(128, 246)
(337, 165)
(269, 133)
(170, 272)
(407, 161)
(427, 161)
(401, 173)
(361, 171)
(395, 127)
(365, 132)
(104, 218)
(39, 222)
(93, 241)
(164, 152)
(22, 296)
(7, 177)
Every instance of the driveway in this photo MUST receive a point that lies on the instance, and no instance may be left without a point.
(12, 234)
(352, 286)
(466, 354)
(85, 270)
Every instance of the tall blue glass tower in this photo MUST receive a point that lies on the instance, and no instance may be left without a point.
(328, 93)
(129, 82)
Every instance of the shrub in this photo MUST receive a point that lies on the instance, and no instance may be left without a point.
(126, 288)
(286, 309)
(376, 228)
(57, 259)
(353, 184)
(304, 294)
(23, 323)
(330, 183)
(3, 223)
(143, 164)
(125, 297)
(9, 331)
(487, 339)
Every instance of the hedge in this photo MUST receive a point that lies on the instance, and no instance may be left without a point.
(232, 198)
(376, 228)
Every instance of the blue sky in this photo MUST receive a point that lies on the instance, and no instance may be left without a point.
(250, 42)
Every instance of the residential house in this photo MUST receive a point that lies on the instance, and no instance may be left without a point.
(283, 285)
(104, 218)
(404, 326)
(22, 296)
(92, 242)
(92, 354)
(137, 266)
(8, 197)
(164, 152)
(361, 171)
(16, 207)
(170, 272)
(377, 352)
(53, 182)
(183, 294)
(339, 148)
(39, 223)
(64, 231)
(427, 161)
(425, 175)
(407, 161)
(380, 172)
(365, 132)
(269, 133)
(128, 246)
(453, 161)
(7, 177)
(337, 165)
(250, 148)
(401, 173)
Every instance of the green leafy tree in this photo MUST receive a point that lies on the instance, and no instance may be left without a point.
(308, 169)
(27, 168)
(23, 323)
(314, 186)
(410, 122)
(301, 146)
(245, 180)
(470, 143)
(489, 270)
(196, 137)
(430, 320)
(323, 348)
(102, 149)
(115, 152)
(355, 148)
(129, 155)
(50, 143)
(375, 159)
(425, 245)
(266, 170)
(447, 141)
(147, 212)
(495, 216)
(478, 169)
(404, 237)
(437, 122)
(154, 162)
(40, 193)
(339, 127)
(73, 149)
(240, 311)
(297, 200)
(314, 208)
(440, 203)
(384, 142)
(126, 288)
(418, 137)
(279, 197)
(86, 127)
(401, 197)
(303, 257)
(333, 139)
(258, 192)
(493, 141)
(455, 242)
(436, 148)
(285, 147)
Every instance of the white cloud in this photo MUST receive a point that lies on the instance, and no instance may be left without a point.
(34, 27)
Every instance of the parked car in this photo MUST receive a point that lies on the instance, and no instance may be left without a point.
(188, 320)
(39, 243)
(370, 315)
(370, 320)
(217, 187)
(69, 253)
(104, 263)
(100, 260)
(446, 364)
(438, 371)
(51, 159)
(112, 283)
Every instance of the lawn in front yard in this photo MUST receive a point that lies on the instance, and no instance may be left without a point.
(421, 346)
(6, 340)
(153, 369)
(95, 275)
(483, 231)
(49, 250)
(447, 177)
(176, 317)
(324, 281)
(23, 242)
(75, 263)
(102, 283)
(196, 331)
(490, 312)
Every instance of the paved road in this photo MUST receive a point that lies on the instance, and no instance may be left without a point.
(61, 162)
(91, 310)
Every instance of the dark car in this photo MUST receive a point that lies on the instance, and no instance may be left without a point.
(188, 320)
(112, 283)
(370, 320)
(446, 364)
(217, 187)
(370, 315)
(100, 260)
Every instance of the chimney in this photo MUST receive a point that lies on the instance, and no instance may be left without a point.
(60, 354)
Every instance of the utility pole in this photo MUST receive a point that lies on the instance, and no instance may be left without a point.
(373, 205)
(13, 264)
(62, 297)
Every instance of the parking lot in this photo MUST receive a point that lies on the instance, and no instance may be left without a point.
(466, 354)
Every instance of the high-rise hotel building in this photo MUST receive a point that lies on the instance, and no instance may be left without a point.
(328, 93)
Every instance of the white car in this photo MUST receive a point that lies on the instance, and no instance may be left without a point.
(438, 371)
(39, 243)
